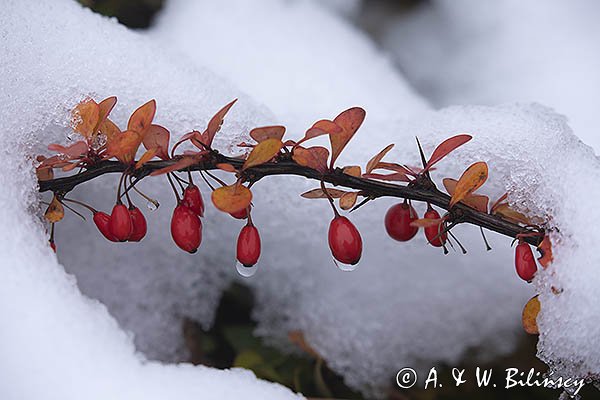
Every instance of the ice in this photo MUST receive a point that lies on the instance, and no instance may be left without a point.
(54, 342)
(471, 52)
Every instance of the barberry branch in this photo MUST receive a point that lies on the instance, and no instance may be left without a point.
(421, 189)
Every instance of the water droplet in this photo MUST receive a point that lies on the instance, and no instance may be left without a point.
(244, 271)
(344, 267)
(152, 206)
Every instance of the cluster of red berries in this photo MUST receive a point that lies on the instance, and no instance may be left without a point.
(122, 225)
(345, 241)
(186, 225)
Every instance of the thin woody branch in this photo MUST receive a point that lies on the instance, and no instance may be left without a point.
(420, 190)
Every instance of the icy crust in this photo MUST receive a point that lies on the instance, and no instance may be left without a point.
(471, 52)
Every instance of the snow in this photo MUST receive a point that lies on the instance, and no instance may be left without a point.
(406, 305)
(54, 342)
(471, 52)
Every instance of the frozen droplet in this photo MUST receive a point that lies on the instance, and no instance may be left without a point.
(244, 271)
(152, 205)
(344, 267)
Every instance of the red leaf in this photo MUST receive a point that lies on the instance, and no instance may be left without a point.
(267, 132)
(371, 165)
(75, 150)
(182, 163)
(157, 137)
(349, 120)
(319, 128)
(105, 107)
(446, 147)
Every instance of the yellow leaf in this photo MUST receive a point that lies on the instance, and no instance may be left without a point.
(504, 210)
(348, 200)
(147, 156)
(85, 117)
(476, 201)
(55, 211)
(263, 152)
(530, 313)
(470, 181)
(353, 170)
(267, 132)
(231, 199)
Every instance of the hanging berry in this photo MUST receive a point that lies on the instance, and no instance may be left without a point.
(139, 224)
(344, 241)
(192, 198)
(248, 245)
(524, 261)
(434, 234)
(186, 229)
(102, 221)
(121, 225)
(242, 214)
(398, 222)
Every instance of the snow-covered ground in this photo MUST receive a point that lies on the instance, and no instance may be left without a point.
(407, 304)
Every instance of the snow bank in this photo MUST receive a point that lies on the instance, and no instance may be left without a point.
(472, 52)
(54, 342)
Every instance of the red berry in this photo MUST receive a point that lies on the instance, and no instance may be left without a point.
(53, 246)
(432, 233)
(397, 222)
(248, 246)
(120, 223)
(525, 262)
(192, 198)
(102, 221)
(186, 229)
(242, 214)
(139, 225)
(344, 241)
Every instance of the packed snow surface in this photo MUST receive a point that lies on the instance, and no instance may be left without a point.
(406, 305)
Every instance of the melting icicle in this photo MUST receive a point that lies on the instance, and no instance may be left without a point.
(344, 267)
(244, 271)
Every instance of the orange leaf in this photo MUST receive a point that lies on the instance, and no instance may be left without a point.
(157, 137)
(263, 152)
(426, 222)
(267, 132)
(215, 124)
(147, 156)
(42, 172)
(104, 108)
(446, 147)
(349, 120)
(314, 157)
(226, 167)
(320, 194)
(320, 128)
(529, 317)
(110, 129)
(55, 211)
(231, 199)
(353, 170)
(85, 117)
(506, 212)
(377, 158)
(545, 248)
(348, 200)
(470, 181)
(397, 177)
(182, 163)
(124, 146)
(476, 201)
(141, 119)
